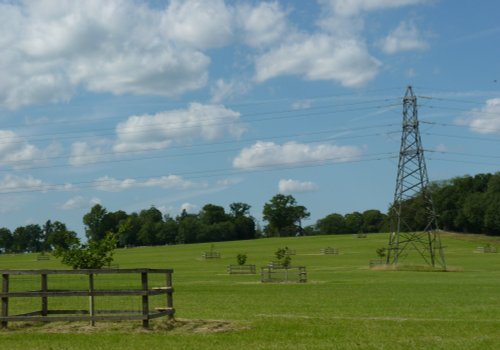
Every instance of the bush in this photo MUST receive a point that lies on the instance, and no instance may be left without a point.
(241, 259)
(283, 257)
(94, 255)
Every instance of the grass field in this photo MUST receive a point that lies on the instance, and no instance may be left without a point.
(344, 304)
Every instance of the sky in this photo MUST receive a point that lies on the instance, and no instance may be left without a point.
(177, 104)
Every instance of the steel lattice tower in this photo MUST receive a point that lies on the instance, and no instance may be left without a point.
(412, 197)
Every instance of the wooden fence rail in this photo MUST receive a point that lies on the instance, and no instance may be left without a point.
(45, 314)
(283, 274)
(241, 269)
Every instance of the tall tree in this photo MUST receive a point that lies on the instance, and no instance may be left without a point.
(94, 222)
(354, 222)
(27, 238)
(6, 240)
(373, 220)
(59, 237)
(332, 224)
(239, 209)
(283, 216)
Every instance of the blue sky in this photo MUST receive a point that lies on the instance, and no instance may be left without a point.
(178, 104)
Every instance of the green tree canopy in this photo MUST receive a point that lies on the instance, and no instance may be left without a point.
(284, 216)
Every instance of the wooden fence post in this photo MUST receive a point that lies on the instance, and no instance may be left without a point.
(91, 299)
(170, 300)
(45, 303)
(145, 300)
(5, 300)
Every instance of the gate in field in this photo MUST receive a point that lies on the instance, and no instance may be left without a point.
(94, 295)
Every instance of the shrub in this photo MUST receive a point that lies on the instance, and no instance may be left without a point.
(241, 259)
(94, 255)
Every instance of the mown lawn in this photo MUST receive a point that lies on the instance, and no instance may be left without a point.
(344, 304)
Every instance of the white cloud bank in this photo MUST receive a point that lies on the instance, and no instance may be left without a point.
(348, 8)
(51, 47)
(485, 120)
(14, 183)
(320, 57)
(406, 37)
(292, 186)
(79, 202)
(198, 121)
(110, 184)
(269, 154)
(17, 152)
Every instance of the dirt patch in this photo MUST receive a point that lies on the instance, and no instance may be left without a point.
(175, 326)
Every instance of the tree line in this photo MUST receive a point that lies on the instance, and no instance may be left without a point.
(469, 204)
(463, 204)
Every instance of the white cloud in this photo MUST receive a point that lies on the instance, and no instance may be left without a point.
(110, 184)
(188, 207)
(348, 8)
(200, 23)
(14, 183)
(263, 25)
(51, 47)
(485, 120)
(228, 182)
(320, 57)
(207, 122)
(15, 151)
(76, 202)
(290, 186)
(226, 90)
(269, 154)
(302, 104)
(406, 37)
(79, 202)
(83, 153)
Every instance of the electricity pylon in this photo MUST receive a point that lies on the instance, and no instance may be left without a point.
(412, 204)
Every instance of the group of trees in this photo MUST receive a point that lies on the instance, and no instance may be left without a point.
(370, 221)
(150, 227)
(465, 204)
(36, 238)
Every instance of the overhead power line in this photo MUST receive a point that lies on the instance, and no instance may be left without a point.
(25, 164)
(205, 173)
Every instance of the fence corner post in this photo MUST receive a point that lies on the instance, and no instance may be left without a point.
(5, 299)
(145, 299)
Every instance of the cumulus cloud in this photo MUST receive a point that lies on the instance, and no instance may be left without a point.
(188, 207)
(157, 131)
(110, 184)
(485, 120)
(320, 57)
(290, 186)
(14, 183)
(51, 47)
(17, 152)
(200, 23)
(406, 37)
(224, 90)
(83, 153)
(348, 8)
(269, 154)
(263, 25)
(76, 202)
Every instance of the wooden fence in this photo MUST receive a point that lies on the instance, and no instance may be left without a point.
(241, 269)
(329, 250)
(11, 293)
(284, 274)
(486, 249)
(211, 255)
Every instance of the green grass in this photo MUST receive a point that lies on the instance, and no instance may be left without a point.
(344, 304)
